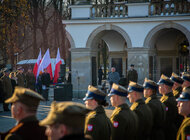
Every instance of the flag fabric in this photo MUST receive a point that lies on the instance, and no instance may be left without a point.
(35, 70)
(46, 64)
(57, 66)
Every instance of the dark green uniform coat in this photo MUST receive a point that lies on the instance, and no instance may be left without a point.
(125, 123)
(184, 130)
(145, 122)
(21, 80)
(159, 116)
(177, 92)
(132, 75)
(171, 116)
(26, 129)
(98, 125)
(30, 81)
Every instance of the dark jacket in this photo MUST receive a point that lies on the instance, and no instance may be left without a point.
(75, 137)
(159, 115)
(21, 79)
(132, 75)
(7, 87)
(125, 123)
(26, 129)
(145, 122)
(30, 81)
(98, 125)
(46, 80)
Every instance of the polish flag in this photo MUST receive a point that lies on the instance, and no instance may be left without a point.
(57, 66)
(35, 70)
(46, 64)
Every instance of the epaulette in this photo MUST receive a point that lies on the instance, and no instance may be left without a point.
(92, 114)
(116, 111)
(148, 100)
(2, 77)
(164, 98)
(16, 128)
(175, 92)
(134, 105)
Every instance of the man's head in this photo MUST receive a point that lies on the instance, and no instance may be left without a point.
(113, 69)
(132, 66)
(118, 95)
(94, 97)
(24, 102)
(20, 69)
(165, 84)
(150, 87)
(45, 70)
(135, 91)
(65, 118)
(186, 78)
(178, 81)
(29, 70)
(184, 102)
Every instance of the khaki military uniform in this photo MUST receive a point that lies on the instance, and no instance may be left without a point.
(26, 129)
(30, 81)
(98, 125)
(20, 80)
(145, 122)
(125, 123)
(177, 92)
(159, 116)
(184, 130)
(171, 115)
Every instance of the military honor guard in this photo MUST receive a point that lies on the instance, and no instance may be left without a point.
(186, 78)
(65, 121)
(184, 109)
(97, 124)
(158, 109)
(124, 121)
(142, 110)
(177, 86)
(24, 107)
(30, 79)
(20, 77)
(165, 88)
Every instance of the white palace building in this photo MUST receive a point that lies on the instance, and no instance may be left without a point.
(154, 36)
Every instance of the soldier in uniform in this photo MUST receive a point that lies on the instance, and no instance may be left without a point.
(184, 109)
(97, 124)
(158, 109)
(24, 107)
(177, 88)
(132, 74)
(124, 121)
(30, 79)
(20, 77)
(186, 78)
(65, 121)
(7, 88)
(165, 88)
(142, 110)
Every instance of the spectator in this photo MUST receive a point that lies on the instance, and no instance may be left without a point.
(113, 77)
(132, 74)
(30, 79)
(100, 74)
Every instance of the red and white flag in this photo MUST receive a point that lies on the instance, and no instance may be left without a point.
(46, 64)
(35, 70)
(57, 67)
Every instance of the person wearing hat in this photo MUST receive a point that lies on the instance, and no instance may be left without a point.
(132, 74)
(157, 108)
(24, 107)
(6, 88)
(65, 121)
(177, 86)
(186, 78)
(165, 88)
(143, 111)
(124, 121)
(97, 124)
(183, 109)
(20, 77)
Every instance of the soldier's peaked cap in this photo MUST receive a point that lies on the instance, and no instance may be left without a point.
(186, 76)
(133, 86)
(185, 95)
(176, 78)
(94, 93)
(68, 113)
(118, 90)
(165, 80)
(149, 84)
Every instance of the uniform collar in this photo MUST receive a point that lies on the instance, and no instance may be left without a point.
(28, 119)
(99, 109)
(123, 106)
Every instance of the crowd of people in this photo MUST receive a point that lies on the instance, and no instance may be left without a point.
(149, 117)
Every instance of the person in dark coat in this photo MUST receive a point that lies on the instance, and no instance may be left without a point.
(100, 74)
(124, 121)
(158, 109)
(132, 74)
(46, 80)
(30, 79)
(39, 83)
(97, 124)
(13, 78)
(142, 110)
(65, 121)
(183, 109)
(165, 88)
(20, 77)
(24, 107)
